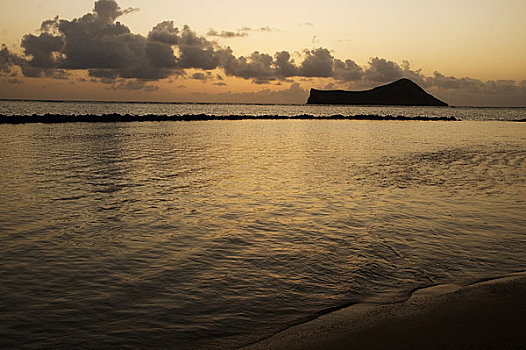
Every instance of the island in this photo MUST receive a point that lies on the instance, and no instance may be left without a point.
(403, 92)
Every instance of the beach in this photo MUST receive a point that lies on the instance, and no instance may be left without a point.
(482, 315)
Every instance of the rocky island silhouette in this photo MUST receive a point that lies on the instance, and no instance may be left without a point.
(403, 92)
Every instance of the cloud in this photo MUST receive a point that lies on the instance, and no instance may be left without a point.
(108, 11)
(260, 29)
(100, 44)
(126, 84)
(108, 50)
(165, 33)
(294, 94)
(226, 34)
(202, 76)
(257, 67)
(5, 60)
(285, 67)
(97, 43)
(347, 71)
(317, 63)
(473, 92)
(382, 70)
(43, 50)
(442, 81)
(263, 68)
(197, 51)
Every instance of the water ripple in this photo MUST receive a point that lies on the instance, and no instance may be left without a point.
(213, 234)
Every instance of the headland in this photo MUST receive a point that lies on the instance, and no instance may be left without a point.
(403, 92)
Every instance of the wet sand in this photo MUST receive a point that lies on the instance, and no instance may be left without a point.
(483, 315)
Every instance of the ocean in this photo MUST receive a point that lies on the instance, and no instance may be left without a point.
(216, 234)
(9, 108)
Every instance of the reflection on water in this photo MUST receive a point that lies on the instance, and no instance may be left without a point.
(190, 235)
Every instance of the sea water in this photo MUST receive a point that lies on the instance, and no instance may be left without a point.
(188, 235)
(14, 107)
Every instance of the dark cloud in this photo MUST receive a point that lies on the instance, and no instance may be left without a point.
(44, 51)
(58, 74)
(103, 73)
(347, 71)
(473, 92)
(475, 86)
(5, 60)
(441, 81)
(198, 52)
(165, 33)
(98, 43)
(50, 25)
(382, 70)
(202, 76)
(318, 63)
(159, 55)
(257, 67)
(285, 67)
(107, 11)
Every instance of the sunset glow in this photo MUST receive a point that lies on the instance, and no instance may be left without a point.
(467, 52)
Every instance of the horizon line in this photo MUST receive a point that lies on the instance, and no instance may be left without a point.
(227, 103)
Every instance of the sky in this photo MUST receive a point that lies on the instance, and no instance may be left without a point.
(464, 52)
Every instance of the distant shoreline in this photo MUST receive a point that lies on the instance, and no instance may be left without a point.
(107, 118)
(231, 103)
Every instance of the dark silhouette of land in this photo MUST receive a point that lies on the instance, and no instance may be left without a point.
(109, 118)
(402, 92)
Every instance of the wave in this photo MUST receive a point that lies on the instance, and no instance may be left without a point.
(108, 118)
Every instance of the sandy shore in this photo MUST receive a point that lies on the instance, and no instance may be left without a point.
(483, 315)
